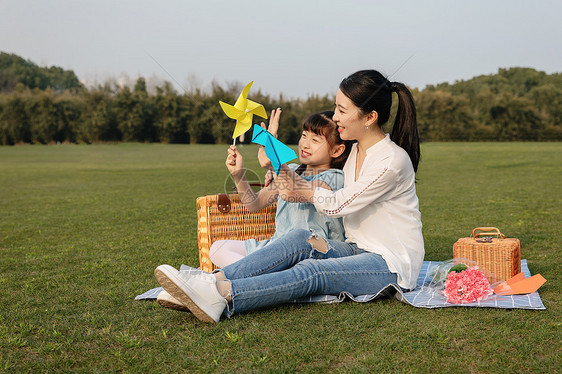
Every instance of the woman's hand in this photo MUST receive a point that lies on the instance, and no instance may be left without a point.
(234, 162)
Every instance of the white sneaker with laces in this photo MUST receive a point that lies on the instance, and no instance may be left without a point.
(197, 291)
(168, 301)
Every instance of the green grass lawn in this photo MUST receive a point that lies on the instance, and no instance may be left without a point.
(82, 228)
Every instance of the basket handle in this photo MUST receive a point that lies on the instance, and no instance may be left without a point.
(487, 231)
(223, 203)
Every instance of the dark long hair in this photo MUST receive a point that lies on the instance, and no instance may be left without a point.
(370, 91)
(323, 124)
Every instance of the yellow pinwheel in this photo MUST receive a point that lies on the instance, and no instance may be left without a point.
(242, 111)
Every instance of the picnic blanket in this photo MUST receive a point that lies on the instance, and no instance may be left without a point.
(421, 297)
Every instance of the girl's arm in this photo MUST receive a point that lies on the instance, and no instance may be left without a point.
(252, 201)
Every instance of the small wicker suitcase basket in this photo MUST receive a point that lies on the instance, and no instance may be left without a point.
(224, 217)
(492, 251)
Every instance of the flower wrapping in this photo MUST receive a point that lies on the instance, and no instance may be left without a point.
(438, 273)
(467, 286)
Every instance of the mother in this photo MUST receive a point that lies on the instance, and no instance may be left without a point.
(378, 202)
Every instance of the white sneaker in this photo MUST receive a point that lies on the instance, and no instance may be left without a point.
(196, 291)
(168, 301)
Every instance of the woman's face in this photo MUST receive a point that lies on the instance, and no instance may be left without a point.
(351, 122)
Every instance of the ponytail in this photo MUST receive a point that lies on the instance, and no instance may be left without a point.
(370, 91)
(405, 129)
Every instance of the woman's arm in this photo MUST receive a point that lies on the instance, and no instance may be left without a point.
(294, 188)
(290, 186)
(252, 201)
(379, 184)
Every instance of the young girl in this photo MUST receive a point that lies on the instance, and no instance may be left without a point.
(382, 221)
(322, 154)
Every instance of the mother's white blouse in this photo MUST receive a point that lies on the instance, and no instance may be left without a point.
(380, 209)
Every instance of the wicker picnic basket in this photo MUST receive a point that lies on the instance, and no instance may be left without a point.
(492, 251)
(224, 217)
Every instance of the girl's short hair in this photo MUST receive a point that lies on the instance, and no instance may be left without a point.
(322, 124)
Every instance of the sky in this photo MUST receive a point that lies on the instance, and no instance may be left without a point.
(298, 48)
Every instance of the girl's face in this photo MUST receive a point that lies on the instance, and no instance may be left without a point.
(314, 151)
(349, 118)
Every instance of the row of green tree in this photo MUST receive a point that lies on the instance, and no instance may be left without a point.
(107, 114)
(514, 104)
(14, 69)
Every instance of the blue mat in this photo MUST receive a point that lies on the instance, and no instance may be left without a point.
(421, 297)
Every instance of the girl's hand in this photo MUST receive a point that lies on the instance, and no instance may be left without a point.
(234, 162)
(265, 162)
(272, 129)
(274, 122)
(268, 178)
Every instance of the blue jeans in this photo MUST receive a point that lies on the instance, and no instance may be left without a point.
(289, 268)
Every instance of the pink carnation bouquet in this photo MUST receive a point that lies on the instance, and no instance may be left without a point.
(467, 286)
